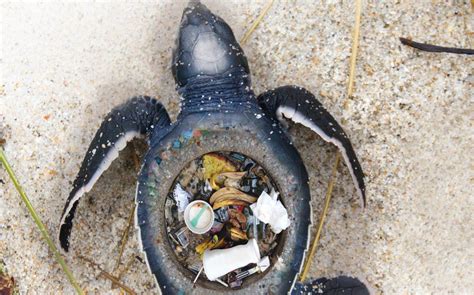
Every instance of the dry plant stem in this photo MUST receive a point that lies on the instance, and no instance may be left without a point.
(350, 87)
(124, 239)
(39, 224)
(114, 280)
(249, 32)
(126, 268)
(434, 48)
(355, 46)
(108, 276)
(135, 158)
(315, 243)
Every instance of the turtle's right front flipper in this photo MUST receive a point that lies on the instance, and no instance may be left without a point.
(299, 105)
(137, 117)
(335, 286)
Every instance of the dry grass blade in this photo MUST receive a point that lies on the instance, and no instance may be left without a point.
(315, 243)
(127, 267)
(353, 59)
(114, 280)
(108, 276)
(39, 224)
(255, 24)
(355, 46)
(124, 239)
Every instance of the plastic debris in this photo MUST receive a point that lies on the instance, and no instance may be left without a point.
(205, 190)
(182, 236)
(181, 197)
(238, 157)
(227, 179)
(237, 235)
(222, 215)
(215, 164)
(262, 265)
(233, 281)
(237, 219)
(213, 243)
(230, 193)
(270, 210)
(222, 283)
(208, 180)
(216, 227)
(222, 261)
(198, 274)
(195, 267)
(199, 217)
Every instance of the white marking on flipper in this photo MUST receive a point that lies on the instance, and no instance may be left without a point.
(109, 157)
(297, 117)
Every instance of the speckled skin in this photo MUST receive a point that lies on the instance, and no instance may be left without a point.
(220, 112)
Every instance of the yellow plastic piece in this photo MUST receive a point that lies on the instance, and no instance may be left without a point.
(215, 164)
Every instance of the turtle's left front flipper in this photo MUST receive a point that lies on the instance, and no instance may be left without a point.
(137, 117)
(301, 106)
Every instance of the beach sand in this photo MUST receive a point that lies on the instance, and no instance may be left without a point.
(64, 66)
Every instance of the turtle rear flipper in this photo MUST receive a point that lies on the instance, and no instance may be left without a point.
(335, 286)
(301, 106)
(137, 117)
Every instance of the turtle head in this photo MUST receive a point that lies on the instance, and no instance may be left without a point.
(205, 46)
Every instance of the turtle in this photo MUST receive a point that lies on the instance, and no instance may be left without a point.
(219, 112)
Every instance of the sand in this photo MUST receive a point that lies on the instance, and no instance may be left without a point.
(64, 66)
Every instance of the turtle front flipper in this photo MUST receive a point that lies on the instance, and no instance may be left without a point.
(137, 117)
(334, 286)
(301, 106)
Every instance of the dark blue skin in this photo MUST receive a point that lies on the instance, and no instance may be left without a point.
(219, 112)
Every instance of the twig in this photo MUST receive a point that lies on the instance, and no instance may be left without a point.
(256, 22)
(108, 276)
(39, 224)
(315, 243)
(435, 48)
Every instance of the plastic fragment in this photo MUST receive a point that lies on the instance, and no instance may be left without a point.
(222, 261)
(181, 197)
(215, 164)
(261, 266)
(270, 210)
(182, 236)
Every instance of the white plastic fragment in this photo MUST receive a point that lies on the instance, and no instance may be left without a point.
(222, 261)
(181, 197)
(270, 210)
(263, 264)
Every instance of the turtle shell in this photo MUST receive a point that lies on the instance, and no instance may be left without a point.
(247, 133)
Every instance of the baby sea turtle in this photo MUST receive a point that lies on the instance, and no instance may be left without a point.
(219, 112)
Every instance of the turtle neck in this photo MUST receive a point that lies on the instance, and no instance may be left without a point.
(230, 92)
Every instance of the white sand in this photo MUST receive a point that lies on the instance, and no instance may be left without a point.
(64, 66)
